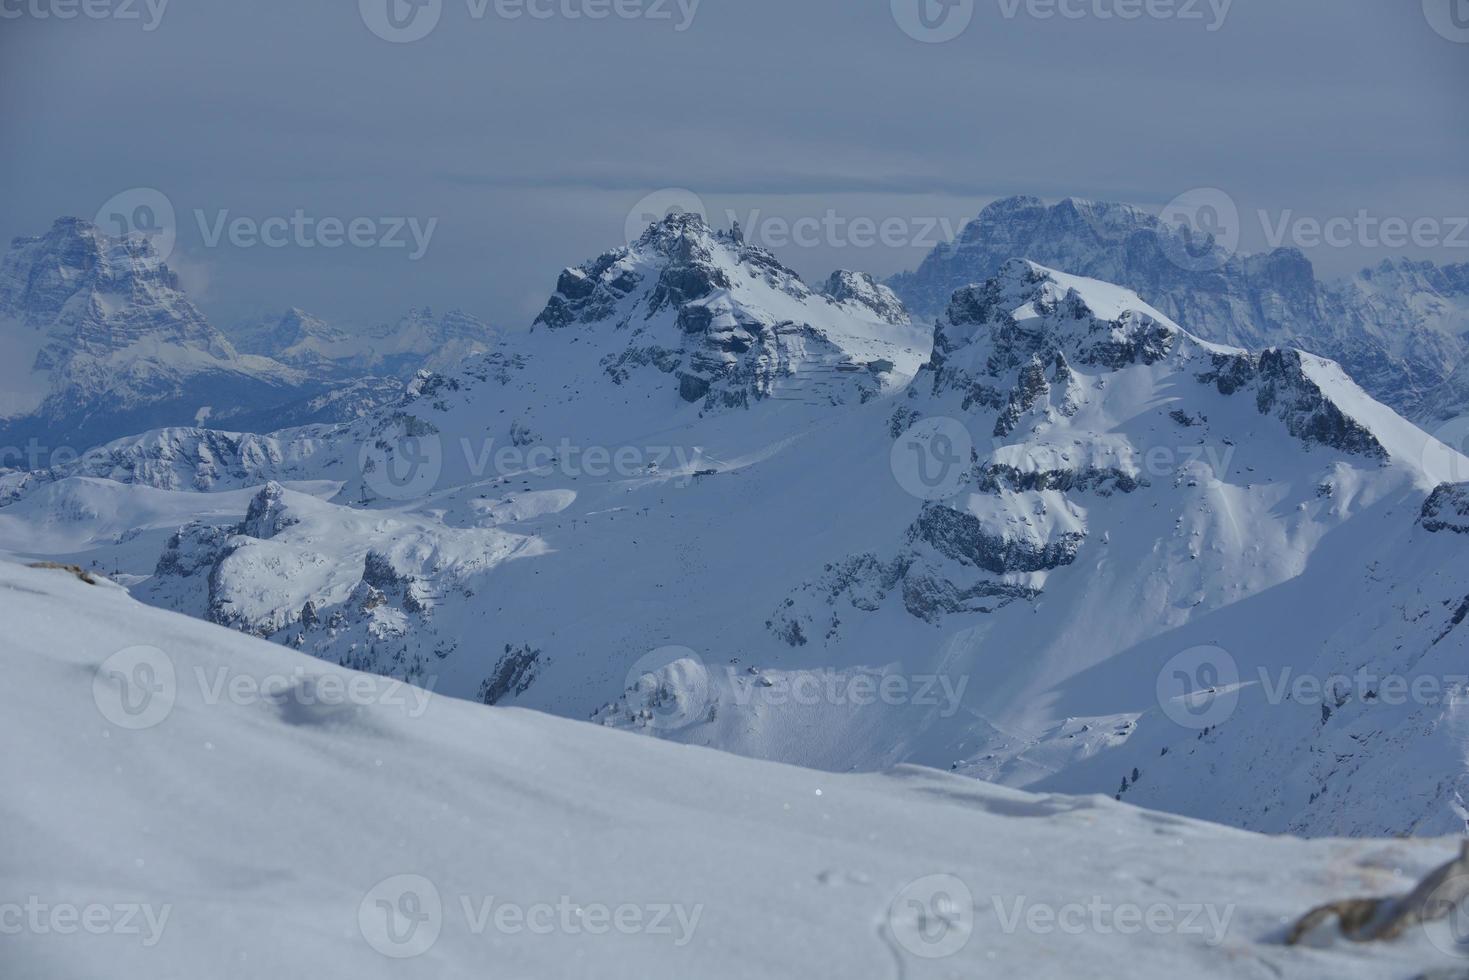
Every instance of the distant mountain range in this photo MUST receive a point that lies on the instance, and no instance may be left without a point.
(1056, 540)
(98, 340)
(1399, 329)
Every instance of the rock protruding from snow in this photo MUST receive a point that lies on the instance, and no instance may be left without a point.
(858, 287)
(268, 514)
(1447, 509)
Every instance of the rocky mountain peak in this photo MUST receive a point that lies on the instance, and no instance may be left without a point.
(844, 286)
(1399, 329)
(731, 323)
(98, 292)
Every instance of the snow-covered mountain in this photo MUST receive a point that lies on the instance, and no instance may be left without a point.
(418, 341)
(430, 837)
(1399, 329)
(100, 341)
(703, 501)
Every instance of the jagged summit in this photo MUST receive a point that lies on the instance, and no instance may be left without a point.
(1398, 329)
(97, 293)
(100, 341)
(1014, 346)
(733, 324)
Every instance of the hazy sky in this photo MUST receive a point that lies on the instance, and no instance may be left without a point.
(524, 142)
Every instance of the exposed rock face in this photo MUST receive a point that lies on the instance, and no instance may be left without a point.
(971, 540)
(193, 549)
(267, 515)
(514, 673)
(1288, 393)
(1397, 329)
(1037, 352)
(1447, 509)
(114, 346)
(730, 324)
(860, 288)
(185, 459)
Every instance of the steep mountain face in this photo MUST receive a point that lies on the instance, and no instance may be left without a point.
(100, 341)
(1398, 329)
(1139, 496)
(687, 504)
(732, 324)
(417, 341)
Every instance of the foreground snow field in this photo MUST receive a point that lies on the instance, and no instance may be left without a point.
(183, 800)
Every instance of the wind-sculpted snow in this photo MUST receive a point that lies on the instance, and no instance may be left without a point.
(428, 836)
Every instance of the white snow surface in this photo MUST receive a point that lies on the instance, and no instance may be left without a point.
(240, 834)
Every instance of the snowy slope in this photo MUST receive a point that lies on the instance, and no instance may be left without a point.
(254, 812)
(687, 504)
